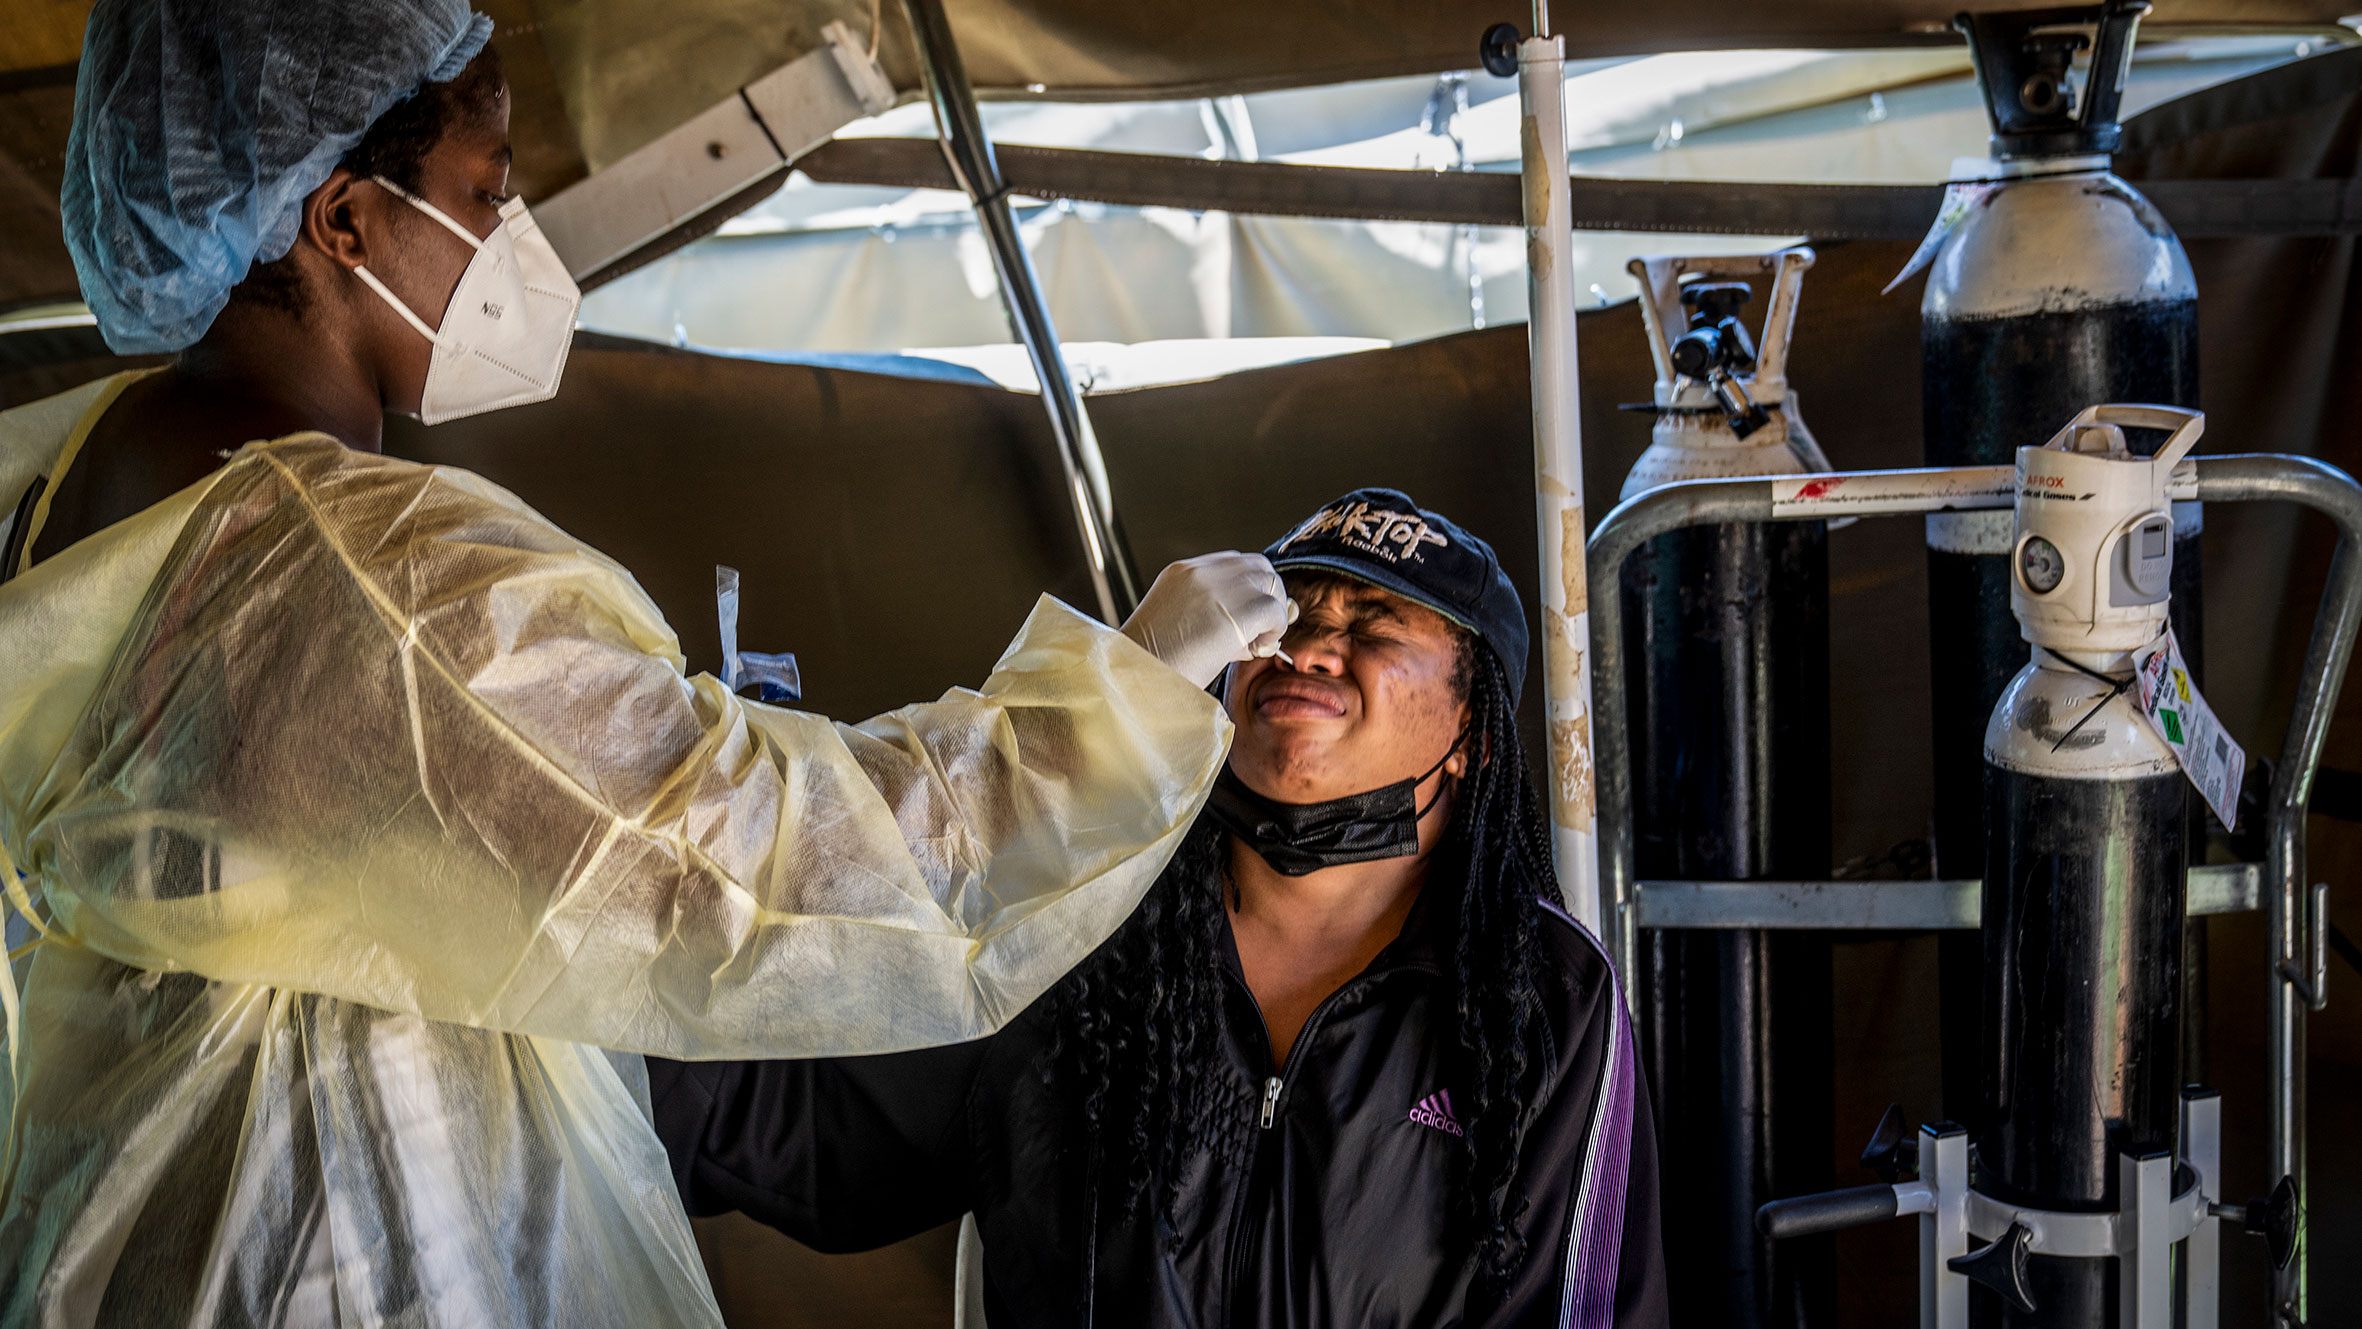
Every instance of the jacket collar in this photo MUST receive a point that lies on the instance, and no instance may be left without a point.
(1425, 941)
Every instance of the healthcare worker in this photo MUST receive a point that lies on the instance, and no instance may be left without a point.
(365, 824)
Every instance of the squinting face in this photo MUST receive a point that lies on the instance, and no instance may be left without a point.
(1369, 701)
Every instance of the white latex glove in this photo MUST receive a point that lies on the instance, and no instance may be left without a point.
(1206, 612)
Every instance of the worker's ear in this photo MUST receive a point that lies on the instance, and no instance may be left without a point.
(346, 220)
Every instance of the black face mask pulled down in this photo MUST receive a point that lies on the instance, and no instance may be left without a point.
(1300, 838)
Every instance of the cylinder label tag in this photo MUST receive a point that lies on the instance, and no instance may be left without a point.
(1961, 197)
(2212, 759)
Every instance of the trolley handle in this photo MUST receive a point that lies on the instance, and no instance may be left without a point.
(1830, 1211)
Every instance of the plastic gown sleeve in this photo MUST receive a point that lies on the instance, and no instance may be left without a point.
(383, 733)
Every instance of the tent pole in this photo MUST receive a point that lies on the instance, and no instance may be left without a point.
(969, 150)
(1558, 493)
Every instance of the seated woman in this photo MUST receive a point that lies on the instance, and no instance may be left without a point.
(1349, 1063)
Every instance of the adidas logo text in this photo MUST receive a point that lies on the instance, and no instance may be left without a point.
(1435, 1111)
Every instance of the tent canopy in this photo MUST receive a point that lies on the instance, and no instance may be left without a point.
(596, 79)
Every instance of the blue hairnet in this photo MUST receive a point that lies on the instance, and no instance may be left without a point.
(201, 125)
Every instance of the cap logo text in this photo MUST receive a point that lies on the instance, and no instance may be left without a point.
(1392, 536)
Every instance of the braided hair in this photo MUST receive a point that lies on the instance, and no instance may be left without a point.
(1140, 1023)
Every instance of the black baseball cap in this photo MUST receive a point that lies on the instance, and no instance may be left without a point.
(1381, 537)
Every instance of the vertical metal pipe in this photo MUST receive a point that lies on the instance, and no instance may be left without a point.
(2202, 1144)
(969, 150)
(2286, 1052)
(1558, 485)
(2288, 917)
(2334, 494)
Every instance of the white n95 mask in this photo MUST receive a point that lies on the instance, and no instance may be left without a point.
(510, 322)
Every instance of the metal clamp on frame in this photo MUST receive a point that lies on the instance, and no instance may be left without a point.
(2151, 1218)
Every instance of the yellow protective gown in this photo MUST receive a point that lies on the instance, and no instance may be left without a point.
(367, 807)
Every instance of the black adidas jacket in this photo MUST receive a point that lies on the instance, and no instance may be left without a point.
(1332, 1211)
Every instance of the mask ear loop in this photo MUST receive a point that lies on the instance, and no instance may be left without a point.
(368, 278)
(1457, 743)
(466, 236)
(432, 335)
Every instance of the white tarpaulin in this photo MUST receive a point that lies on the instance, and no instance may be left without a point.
(832, 268)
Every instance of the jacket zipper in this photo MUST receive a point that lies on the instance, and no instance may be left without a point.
(1277, 1082)
(1273, 1086)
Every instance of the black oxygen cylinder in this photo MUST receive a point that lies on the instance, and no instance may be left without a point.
(2062, 288)
(2082, 946)
(1726, 628)
(2087, 856)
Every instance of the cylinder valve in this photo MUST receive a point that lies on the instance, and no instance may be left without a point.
(2092, 560)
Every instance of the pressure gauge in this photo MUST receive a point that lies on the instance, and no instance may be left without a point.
(2040, 565)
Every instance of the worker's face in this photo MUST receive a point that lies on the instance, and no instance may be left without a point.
(352, 222)
(466, 175)
(1371, 698)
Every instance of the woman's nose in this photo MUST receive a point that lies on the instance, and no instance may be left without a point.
(1316, 650)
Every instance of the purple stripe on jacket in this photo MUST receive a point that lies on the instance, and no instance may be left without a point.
(1595, 1239)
